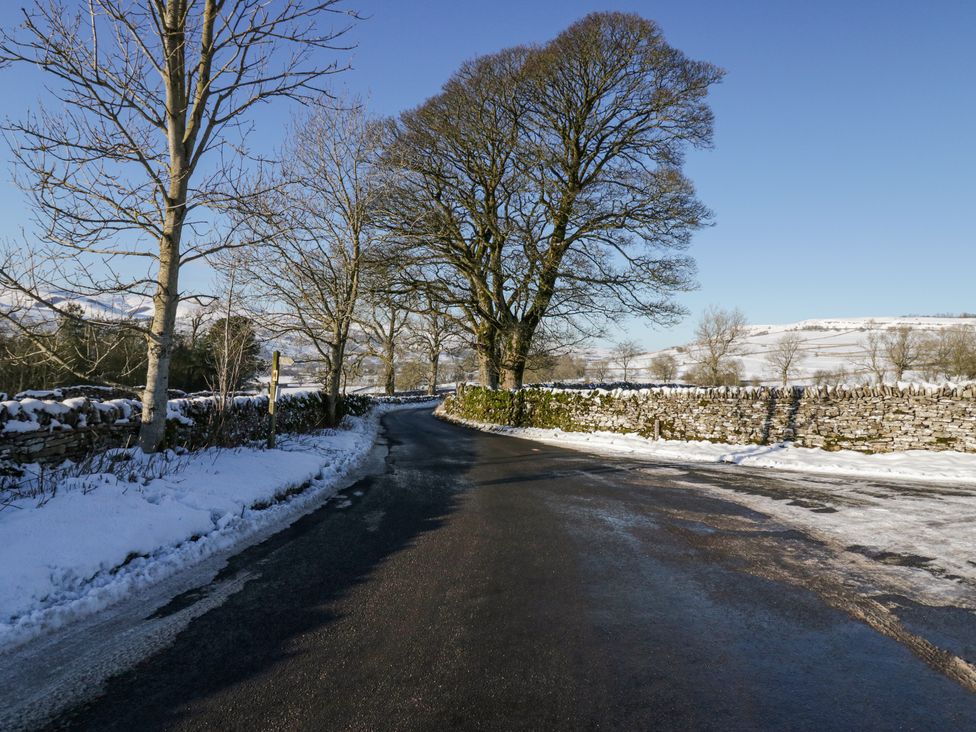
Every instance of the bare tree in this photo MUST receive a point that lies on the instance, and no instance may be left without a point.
(785, 357)
(383, 318)
(962, 350)
(232, 345)
(317, 233)
(547, 367)
(902, 349)
(623, 354)
(872, 358)
(951, 353)
(432, 332)
(599, 370)
(199, 317)
(830, 377)
(547, 180)
(73, 341)
(718, 340)
(412, 374)
(146, 146)
(664, 367)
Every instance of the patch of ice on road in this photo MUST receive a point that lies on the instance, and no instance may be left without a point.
(373, 520)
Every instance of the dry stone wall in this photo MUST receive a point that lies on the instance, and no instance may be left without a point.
(49, 430)
(866, 419)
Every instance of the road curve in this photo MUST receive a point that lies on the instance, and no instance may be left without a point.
(485, 582)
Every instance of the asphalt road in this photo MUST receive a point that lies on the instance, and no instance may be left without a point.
(485, 582)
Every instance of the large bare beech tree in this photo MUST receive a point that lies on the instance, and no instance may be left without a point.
(456, 185)
(132, 169)
(549, 180)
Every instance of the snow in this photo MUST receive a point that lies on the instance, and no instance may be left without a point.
(103, 536)
(39, 394)
(33, 406)
(21, 426)
(29, 407)
(11, 406)
(827, 344)
(925, 532)
(942, 467)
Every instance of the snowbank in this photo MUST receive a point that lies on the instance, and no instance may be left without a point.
(103, 536)
(922, 465)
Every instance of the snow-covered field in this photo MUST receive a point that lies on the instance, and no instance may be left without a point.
(827, 345)
(100, 537)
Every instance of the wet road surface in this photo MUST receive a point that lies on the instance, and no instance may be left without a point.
(486, 582)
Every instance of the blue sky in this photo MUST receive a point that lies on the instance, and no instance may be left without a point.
(843, 177)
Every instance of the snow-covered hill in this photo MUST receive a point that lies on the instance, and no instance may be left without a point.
(829, 344)
(106, 307)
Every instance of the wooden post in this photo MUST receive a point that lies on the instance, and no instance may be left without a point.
(657, 429)
(273, 397)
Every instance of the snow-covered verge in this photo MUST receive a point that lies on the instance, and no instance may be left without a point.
(102, 536)
(942, 467)
(915, 539)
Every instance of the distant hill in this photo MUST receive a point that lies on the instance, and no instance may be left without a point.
(100, 307)
(829, 344)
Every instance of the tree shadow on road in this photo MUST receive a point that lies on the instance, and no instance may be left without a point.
(301, 575)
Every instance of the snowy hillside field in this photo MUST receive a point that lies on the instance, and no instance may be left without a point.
(827, 345)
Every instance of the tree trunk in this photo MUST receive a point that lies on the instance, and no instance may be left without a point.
(487, 350)
(487, 370)
(333, 384)
(389, 371)
(155, 398)
(515, 355)
(160, 348)
(433, 373)
(512, 376)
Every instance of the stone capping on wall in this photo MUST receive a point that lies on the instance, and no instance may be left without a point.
(965, 390)
(882, 418)
(49, 430)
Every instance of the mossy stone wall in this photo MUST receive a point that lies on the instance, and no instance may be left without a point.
(866, 419)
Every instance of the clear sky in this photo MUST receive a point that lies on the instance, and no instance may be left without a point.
(843, 177)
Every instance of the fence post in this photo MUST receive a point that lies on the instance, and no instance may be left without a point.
(273, 397)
